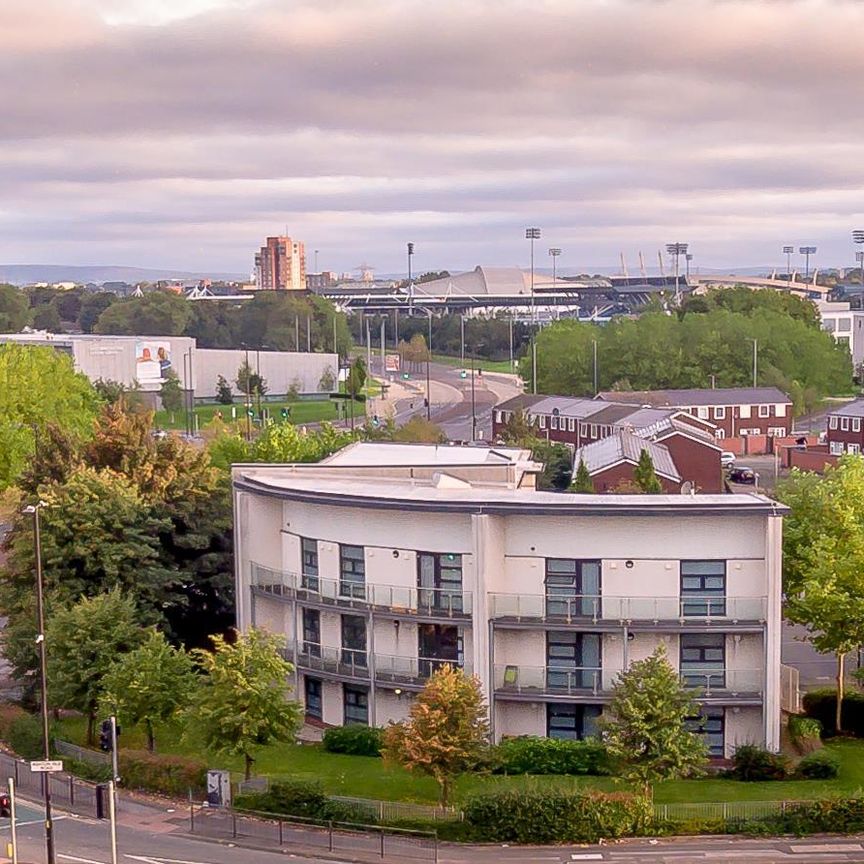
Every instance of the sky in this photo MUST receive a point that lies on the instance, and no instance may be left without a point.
(180, 133)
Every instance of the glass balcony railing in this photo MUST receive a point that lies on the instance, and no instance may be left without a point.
(432, 602)
(724, 681)
(349, 662)
(690, 608)
(413, 670)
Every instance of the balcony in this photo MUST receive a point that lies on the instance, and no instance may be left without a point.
(724, 682)
(596, 608)
(395, 599)
(398, 669)
(339, 662)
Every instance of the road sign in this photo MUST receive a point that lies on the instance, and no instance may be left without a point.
(47, 766)
(392, 362)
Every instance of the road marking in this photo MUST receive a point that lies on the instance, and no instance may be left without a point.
(80, 860)
(826, 848)
(148, 859)
(586, 856)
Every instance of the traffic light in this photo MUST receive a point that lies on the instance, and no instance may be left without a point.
(5, 805)
(375, 420)
(285, 412)
(250, 412)
(463, 374)
(105, 736)
(425, 403)
(405, 376)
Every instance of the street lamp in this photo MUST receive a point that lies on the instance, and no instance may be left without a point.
(248, 393)
(410, 279)
(676, 250)
(428, 358)
(807, 251)
(476, 348)
(533, 234)
(858, 237)
(33, 510)
(554, 253)
(787, 251)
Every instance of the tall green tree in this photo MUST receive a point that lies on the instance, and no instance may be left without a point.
(356, 379)
(92, 306)
(224, 396)
(447, 732)
(83, 641)
(249, 381)
(171, 393)
(823, 559)
(149, 685)
(242, 702)
(159, 313)
(582, 482)
(645, 476)
(646, 727)
(15, 312)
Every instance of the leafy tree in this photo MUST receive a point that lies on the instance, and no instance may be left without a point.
(224, 396)
(15, 312)
(284, 442)
(171, 393)
(644, 475)
(241, 704)
(159, 313)
(447, 732)
(92, 306)
(823, 558)
(327, 381)
(557, 465)
(646, 730)
(38, 386)
(420, 430)
(582, 482)
(149, 685)
(47, 318)
(84, 640)
(356, 380)
(248, 381)
(517, 430)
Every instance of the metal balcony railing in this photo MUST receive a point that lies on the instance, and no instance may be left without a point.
(413, 670)
(348, 662)
(723, 681)
(432, 602)
(594, 608)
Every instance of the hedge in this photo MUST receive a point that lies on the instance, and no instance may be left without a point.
(354, 740)
(303, 798)
(170, 775)
(533, 755)
(25, 736)
(819, 765)
(821, 705)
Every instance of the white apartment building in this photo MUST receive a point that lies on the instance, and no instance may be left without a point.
(386, 561)
(846, 325)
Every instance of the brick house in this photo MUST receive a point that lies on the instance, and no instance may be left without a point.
(845, 427)
(612, 461)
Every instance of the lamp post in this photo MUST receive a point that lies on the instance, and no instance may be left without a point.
(755, 361)
(428, 358)
(807, 251)
(553, 254)
(473, 402)
(43, 673)
(533, 234)
(676, 250)
(410, 279)
(248, 391)
(787, 251)
(858, 237)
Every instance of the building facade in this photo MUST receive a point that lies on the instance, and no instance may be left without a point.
(845, 432)
(846, 325)
(280, 265)
(387, 561)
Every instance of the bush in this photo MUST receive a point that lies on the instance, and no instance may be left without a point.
(821, 705)
(820, 765)
(302, 798)
(825, 816)
(805, 733)
(96, 772)
(9, 712)
(751, 763)
(25, 736)
(170, 775)
(531, 755)
(555, 816)
(354, 740)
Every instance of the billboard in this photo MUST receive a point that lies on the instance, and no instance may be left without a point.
(152, 360)
(392, 362)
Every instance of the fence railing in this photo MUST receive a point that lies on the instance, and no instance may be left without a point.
(81, 754)
(356, 839)
(396, 811)
(722, 810)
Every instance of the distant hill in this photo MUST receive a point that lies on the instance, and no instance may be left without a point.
(26, 274)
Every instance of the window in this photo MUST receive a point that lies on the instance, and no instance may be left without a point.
(572, 722)
(312, 632)
(498, 417)
(719, 433)
(572, 660)
(703, 588)
(764, 410)
(828, 324)
(720, 412)
(352, 572)
(542, 421)
(553, 423)
(832, 422)
(836, 448)
(583, 430)
(309, 552)
(853, 448)
(703, 660)
(856, 424)
(438, 645)
(711, 727)
(780, 410)
(593, 430)
(572, 588)
(354, 641)
(744, 412)
(844, 424)
(571, 424)
(844, 325)
(702, 412)
(778, 431)
(312, 699)
(439, 582)
(355, 706)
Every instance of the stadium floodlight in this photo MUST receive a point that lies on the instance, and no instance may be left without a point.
(554, 253)
(533, 234)
(676, 250)
(787, 251)
(807, 251)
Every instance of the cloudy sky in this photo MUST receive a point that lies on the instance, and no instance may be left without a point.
(178, 133)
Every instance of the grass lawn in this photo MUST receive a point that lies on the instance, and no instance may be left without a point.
(485, 365)
(367, 777)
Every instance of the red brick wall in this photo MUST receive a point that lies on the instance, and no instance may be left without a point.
(606, 481)
(696, 462)
(811, 459)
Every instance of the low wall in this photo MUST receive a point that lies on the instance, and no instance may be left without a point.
(811, 459)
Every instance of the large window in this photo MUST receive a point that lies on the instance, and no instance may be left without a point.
(573, 722)
(354, 641)
(572, 588)
(711, 727)
(439, 580)
(309, 576)
(355, 706)
(437, 645)
(313, 700)
(352, 572)
(312, 632)
(572, 660)
(703, 588)
(703, 660)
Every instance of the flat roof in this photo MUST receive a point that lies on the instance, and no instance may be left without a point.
(693, 397)
(390, 453)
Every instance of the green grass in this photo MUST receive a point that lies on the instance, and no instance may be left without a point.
(367, 777)
(485, 365)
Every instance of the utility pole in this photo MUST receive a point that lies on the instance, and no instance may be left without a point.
(511, 342)
(462, 332)
(297, 333)
(596, 386)
(368, 349)
(383, 337)
(428, 376)
(473, 405)
(755, 361)
(248, 393)
(12, 820)
(308, 334)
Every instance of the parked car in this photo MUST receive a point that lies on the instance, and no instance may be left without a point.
(743, 475)
(727, 459)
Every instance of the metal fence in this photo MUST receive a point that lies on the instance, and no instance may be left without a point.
(360, 841)
(81, 754)
(398, 811)
(68, 792)
(725, 811)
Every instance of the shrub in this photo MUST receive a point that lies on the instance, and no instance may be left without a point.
(805, 733)
(25, 736)
(821, 705)
(820, 765)
(751, 763)
(9, 712)
(825, 816)
(354, 740)
(170, 775)
(531, 755)
(302, 798)
(97, 772)
(555, 816)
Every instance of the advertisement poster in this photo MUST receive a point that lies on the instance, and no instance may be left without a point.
(152, 360)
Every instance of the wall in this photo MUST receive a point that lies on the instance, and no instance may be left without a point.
(612, 478)
(812, 459)
(519, 718)
(698, 463)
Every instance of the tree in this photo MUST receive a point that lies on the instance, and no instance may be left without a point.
(644, 475)
(420, 430)
(159, 313)
(241, 704)
(171, 393)
(47, 318)
(517, 430)
(557, 465)
(356, 380)
(823, 559)
(149, 685)
(224, 396)
(447, 732)
(327, 381)
(250, 382)
(582, 482)
(15, 312)
(646, 730)
(92, 306)
(83, 641)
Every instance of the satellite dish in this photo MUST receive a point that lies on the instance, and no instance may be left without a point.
(686, 488)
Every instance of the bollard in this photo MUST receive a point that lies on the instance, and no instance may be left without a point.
(382, 842)
(330, 847)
